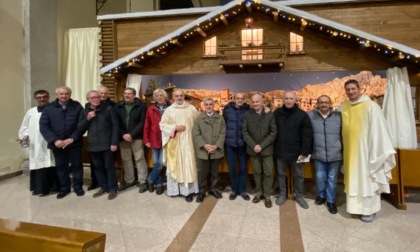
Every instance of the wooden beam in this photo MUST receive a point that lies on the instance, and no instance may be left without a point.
(224, 20)
(248, 7)
(176, 42)
(276, 16)
(135, 65)
(202, 33)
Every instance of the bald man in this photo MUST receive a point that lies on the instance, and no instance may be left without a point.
(259, 132)
(58, 126)
(293, 144)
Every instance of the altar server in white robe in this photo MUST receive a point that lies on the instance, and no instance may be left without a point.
(368, 153)
(41, 161)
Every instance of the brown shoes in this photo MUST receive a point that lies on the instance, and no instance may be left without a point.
(268, 203)
(256, 199)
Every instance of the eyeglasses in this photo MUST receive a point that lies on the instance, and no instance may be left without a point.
(324, 102)
(239, 98)
(94, 97)
(42, 97)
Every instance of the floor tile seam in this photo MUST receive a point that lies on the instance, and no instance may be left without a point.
(194, 214)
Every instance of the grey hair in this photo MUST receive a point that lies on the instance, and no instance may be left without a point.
(161, 91)
(63, 87)
(208, 99)
(90, 92)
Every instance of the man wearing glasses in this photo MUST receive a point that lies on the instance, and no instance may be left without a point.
(327, 150)
(100, 122)
(41, 161)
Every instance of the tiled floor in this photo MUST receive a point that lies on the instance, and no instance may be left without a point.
(148, 222)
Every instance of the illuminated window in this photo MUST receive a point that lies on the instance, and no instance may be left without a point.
(252, 37)
(210, 47)
(296, 43)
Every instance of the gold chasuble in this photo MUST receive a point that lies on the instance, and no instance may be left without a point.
(178, 147)
(368, 155)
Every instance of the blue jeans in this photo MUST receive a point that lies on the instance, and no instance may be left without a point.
(239, 176)
(155, 177)
(326, 172)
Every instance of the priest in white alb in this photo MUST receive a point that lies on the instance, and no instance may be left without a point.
(178, 148)
(43, 176)
(368, 153)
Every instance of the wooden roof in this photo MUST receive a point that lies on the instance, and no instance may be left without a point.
(219, 16)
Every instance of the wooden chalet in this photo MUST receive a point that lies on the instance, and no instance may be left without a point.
(287, 36)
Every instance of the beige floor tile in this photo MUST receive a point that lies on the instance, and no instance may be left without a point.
(260, 229)
(214, 242)
(223, 224)
(254, 245)
(147, 237)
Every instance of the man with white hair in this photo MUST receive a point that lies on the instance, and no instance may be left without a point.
(58, 125)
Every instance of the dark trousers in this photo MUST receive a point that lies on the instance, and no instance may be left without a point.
(103, 162)
(64, 157)
(297, 173)
(204, 167)
(238, 176)
(94, 180)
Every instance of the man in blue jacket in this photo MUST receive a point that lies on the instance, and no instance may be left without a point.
(233, 114)
(58, 125)
(327, 150)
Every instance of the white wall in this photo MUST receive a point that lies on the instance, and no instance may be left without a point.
(12, 80)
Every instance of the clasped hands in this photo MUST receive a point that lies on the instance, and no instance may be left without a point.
(210, 148)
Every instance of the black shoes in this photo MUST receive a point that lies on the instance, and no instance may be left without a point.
(126, 185)
(245, 196)
(159, 190)
(142, 188)
(79, 192)
(215, 194)
(189, 198)
(99, 193)
(233, 196)
(61, 195)
(319, 200)
(150, 187)
(331, 208)
(200, 197)
(112, 195)
(92, 187)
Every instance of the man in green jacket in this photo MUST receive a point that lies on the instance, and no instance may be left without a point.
(259, 131)
(209, 133)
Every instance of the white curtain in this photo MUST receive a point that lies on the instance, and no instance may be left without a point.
(398, 108)
(82, 72)
(134, 81)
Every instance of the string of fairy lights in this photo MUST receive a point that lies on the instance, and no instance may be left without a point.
(201, 29)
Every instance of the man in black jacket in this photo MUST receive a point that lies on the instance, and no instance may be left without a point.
(107, 102)
(58, 125)
(292, 145)
(131, 114)
(100, 122)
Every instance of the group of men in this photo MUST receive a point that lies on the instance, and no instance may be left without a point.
(190, 144)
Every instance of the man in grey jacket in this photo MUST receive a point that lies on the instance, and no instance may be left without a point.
(327, 150)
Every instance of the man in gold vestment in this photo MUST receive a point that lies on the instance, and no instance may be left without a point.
(178, 148)
(368, 153)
